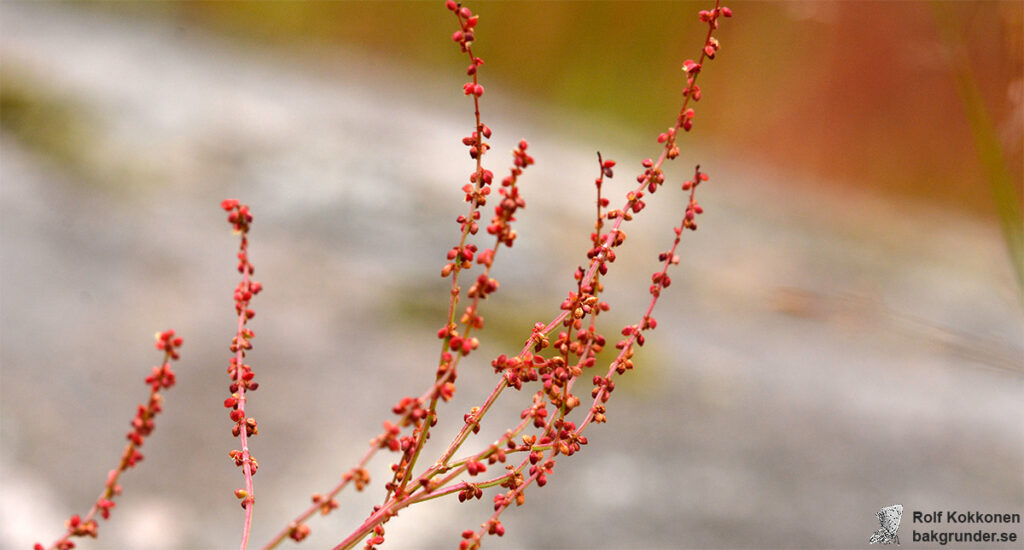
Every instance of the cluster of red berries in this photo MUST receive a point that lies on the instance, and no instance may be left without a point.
(161, 378)
(692, 68)
(555, 361)
(557, 373)
(240, 373)
(464, 38)
(511, 201)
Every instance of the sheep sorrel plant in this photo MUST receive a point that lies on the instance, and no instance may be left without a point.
(162, 377)
(554, 357)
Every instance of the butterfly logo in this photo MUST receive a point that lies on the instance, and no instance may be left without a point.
(889, 521)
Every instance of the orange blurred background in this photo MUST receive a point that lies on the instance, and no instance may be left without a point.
(853, 93)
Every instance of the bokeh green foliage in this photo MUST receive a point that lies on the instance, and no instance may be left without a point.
(993, 159)
(40, 119)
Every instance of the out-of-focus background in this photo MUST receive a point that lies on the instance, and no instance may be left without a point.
(845, 331)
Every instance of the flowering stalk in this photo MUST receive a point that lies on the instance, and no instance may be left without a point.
(568, 438)
(455, 344)
(576, 345)
(555, 355)
(162, 377)
(241, 374)
(540, 466)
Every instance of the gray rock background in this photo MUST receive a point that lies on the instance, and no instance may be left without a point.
(820, 355)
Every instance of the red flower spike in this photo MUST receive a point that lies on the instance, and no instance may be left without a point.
(142, 426)
(575, 345)
(242, 377)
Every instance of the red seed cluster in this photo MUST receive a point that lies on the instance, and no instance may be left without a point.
(456, 335)
(692, 68)
(240, 373)
(238, 214)
(360, 476)
(511, 201)
(377, 538)
(464, 38)
(299, 532)
(556, 354)
(161, 378)
(467, 22)
(574, 346)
